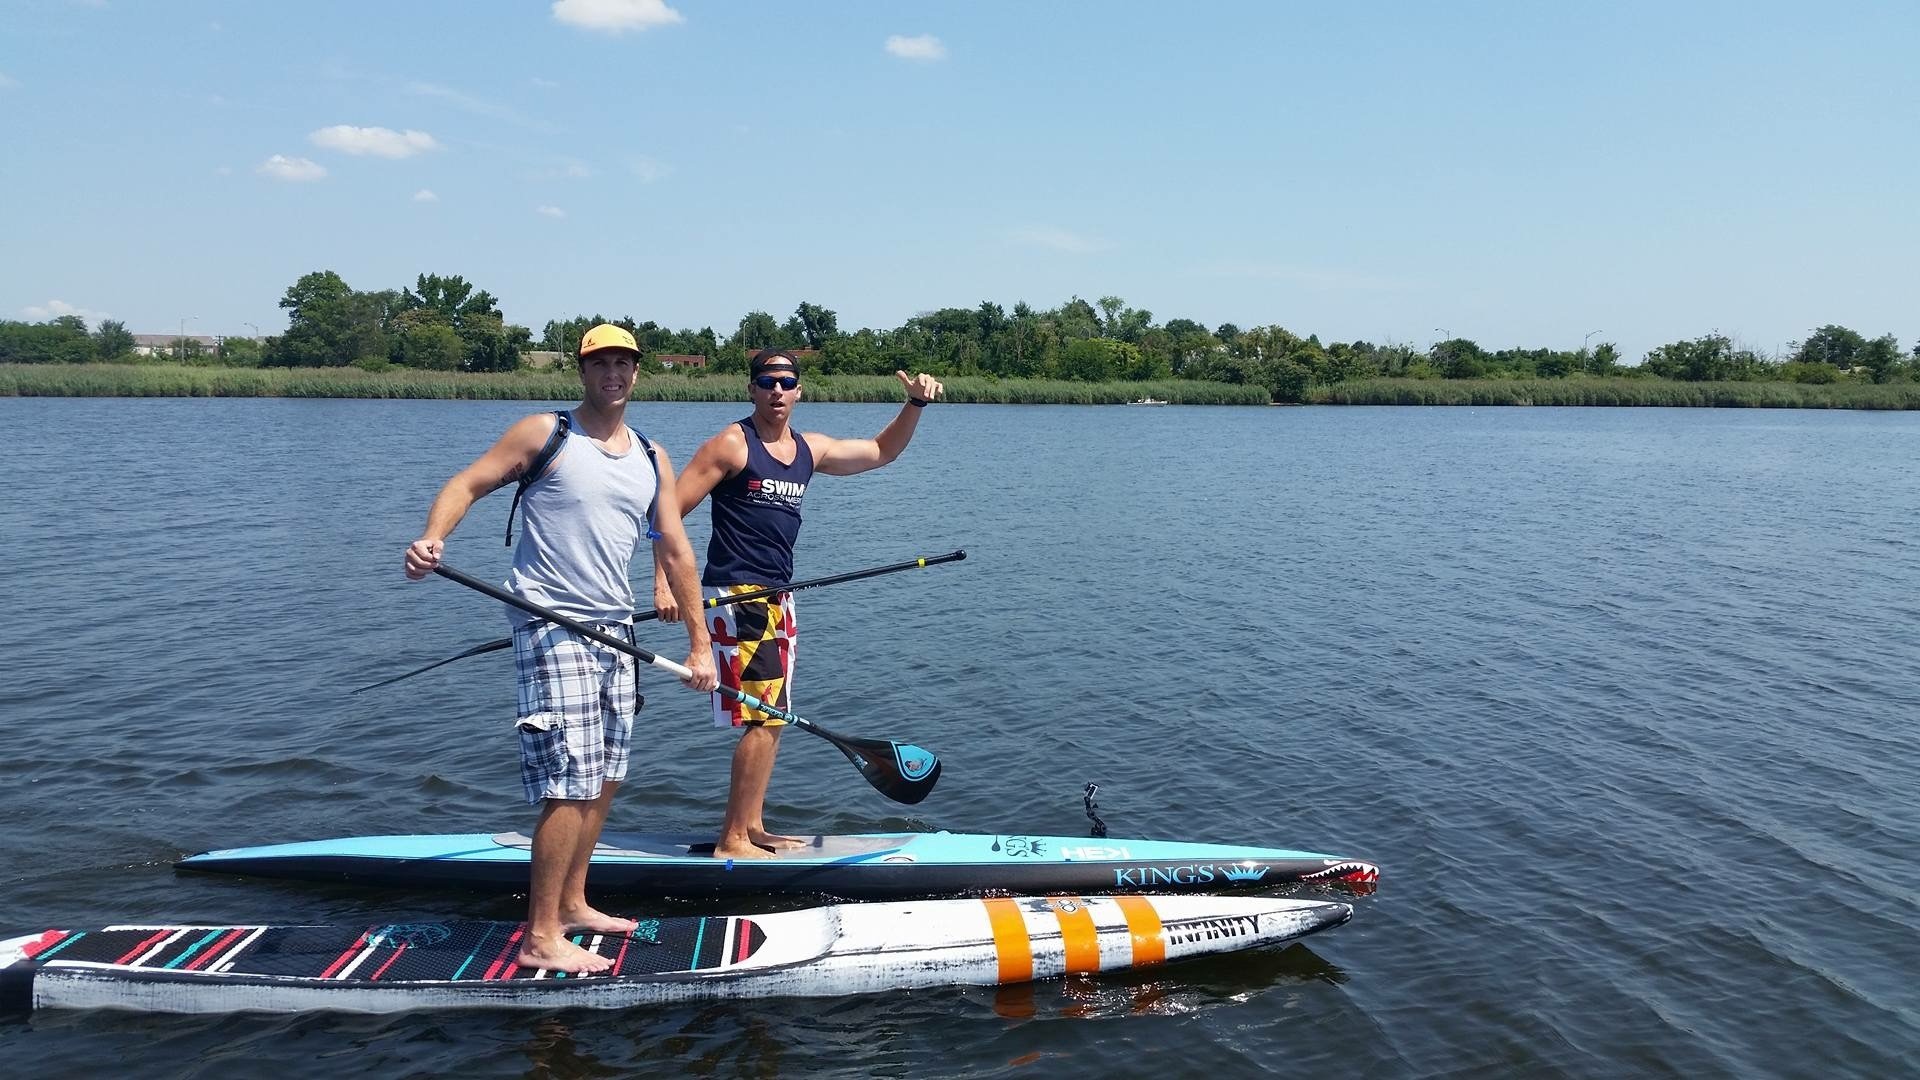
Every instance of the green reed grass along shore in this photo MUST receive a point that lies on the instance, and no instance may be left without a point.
(1619, 392)
(168, 380)
(157, 380)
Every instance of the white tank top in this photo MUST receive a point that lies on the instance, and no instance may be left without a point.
(581, 524)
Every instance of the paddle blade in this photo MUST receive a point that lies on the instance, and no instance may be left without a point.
(902, 772)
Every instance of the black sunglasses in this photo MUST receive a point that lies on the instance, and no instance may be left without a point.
(784, 382)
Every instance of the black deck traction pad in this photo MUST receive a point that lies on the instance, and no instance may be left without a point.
(466, 952)
(642, 845)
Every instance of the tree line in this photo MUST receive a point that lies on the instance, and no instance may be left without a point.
(448, 324)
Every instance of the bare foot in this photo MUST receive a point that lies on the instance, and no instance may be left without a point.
(559, 954)
(586, 920)
(736, 850)
(776, 841)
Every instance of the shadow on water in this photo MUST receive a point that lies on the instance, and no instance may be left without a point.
(1183, 987)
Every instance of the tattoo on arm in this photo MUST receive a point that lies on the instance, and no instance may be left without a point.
(513, 474)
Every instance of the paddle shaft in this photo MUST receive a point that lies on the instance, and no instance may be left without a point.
(761, 594)
(630, 649)
(715, 602)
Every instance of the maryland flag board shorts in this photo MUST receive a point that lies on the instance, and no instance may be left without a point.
(753, 645)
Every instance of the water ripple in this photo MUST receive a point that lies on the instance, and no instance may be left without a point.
(1620, 699)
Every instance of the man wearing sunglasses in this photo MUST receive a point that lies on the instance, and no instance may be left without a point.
(757, 470)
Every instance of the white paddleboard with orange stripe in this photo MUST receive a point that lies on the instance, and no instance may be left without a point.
(814, 952)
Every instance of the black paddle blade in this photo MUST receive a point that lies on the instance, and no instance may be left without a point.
(902, 772)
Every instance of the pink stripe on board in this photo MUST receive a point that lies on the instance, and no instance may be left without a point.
(218, 947)
(345, 956)
(143, 946)
(505, 957)
(746, 938)
(621, 956)
(47, 941)
(388, 964)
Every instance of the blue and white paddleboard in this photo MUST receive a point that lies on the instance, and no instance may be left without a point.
(872, 866)
(843, 949)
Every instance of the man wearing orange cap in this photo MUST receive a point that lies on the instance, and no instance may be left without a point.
(593, 488)
(757, 470)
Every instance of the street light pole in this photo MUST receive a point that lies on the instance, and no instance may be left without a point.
(1584, 340)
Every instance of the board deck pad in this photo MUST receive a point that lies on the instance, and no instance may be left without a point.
(646, 845)
(402, 952)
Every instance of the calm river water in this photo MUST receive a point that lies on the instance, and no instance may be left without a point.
(1622, 701)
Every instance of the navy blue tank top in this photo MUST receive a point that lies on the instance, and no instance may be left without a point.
(756, 516)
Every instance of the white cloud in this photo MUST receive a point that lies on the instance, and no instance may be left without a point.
(223, 170)
(550, 211)
(8, 82)
(647, 169)
(615, 16)
(919, 47)
(1057, 239)
(425, 195)
(377, 141)
(55, 308)
(299, 169)
(544, 84)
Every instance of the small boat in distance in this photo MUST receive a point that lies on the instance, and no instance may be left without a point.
(1147, 401)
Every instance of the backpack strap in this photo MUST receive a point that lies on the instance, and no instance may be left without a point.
(653, 508)
(562, 424)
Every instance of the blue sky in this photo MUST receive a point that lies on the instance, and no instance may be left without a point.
(1517, 173)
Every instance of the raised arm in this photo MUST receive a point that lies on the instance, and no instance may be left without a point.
(845, 457)
(504, 463)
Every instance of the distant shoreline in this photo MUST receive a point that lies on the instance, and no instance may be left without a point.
(1647, 392)
(175, 380)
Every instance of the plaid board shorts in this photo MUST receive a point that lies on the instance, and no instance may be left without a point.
(753, 646)
(577, 703)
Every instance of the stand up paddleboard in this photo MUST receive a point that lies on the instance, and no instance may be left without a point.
(846, 949)
(875, 866)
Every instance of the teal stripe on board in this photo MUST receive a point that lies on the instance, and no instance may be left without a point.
(694, 964)
(70, 940)
(464, 964)
(196, 947)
